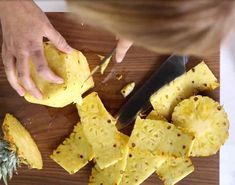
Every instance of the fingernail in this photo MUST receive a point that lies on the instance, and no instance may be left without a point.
(38, 96)
(118, 59)
(59, 81)
(69, 49)
(21, 92)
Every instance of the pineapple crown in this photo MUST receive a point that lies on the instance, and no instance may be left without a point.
(9, 161)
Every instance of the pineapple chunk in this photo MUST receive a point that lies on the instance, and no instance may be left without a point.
(73, 68)
(112, 174)
(161, 138)
(75, 152)
(21, 141)
(208, 121)
(127, 89)
(140, 165)
(175, 169)
(153, 115)
(199, 78)
(100, 131)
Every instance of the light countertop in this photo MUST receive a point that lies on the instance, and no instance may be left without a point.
(227, 94)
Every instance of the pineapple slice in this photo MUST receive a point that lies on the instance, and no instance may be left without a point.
(112, 174)
(207, 119)
(100, 131)
(161, 138)
(199, 78)
(21, 141)
(75, 152)
(140, 165)
(73, 68)
(174, 169)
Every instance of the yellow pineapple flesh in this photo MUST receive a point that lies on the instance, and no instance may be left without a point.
(75, 152)
(205, 118)
(72, 67)
(100, 131)
(199, 78)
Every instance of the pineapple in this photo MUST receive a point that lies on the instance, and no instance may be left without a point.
(199, 78)
(174, 169)
(105, 64)
(154, 115)
(17, 147)
(127, 89)
(73, 68)
(111, 175)
(100, 130)
(161, 138)
(208, 121)
(140, 165)
(75, 152)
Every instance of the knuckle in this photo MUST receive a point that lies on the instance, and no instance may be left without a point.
(41, 68)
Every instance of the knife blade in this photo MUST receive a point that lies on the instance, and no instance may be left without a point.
(101, 63)
(173, 67)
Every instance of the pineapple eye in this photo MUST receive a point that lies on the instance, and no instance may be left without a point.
(114, 145)
(133, 145)
(130, 155)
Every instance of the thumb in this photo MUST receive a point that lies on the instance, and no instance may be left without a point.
(58, 40)
(122, 48)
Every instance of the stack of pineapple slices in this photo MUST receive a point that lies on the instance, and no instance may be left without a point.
(199, 127)
(14, 149)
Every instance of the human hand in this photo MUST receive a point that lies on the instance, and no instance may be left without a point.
(23, 27)
(122, 48)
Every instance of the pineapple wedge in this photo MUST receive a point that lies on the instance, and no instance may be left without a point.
(199, 78)
(73, 68)
(105, 64)
(100, 131)
(21, 141)
(208, 121)
(75, 152)
(111, 175)
(140, 165)
(174, 169)
(161, 138)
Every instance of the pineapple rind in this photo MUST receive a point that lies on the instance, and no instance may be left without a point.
(21, 141)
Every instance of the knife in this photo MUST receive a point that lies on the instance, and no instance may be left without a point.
(101, 63)
(173, 67)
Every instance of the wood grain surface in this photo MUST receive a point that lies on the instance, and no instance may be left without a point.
(50, 126)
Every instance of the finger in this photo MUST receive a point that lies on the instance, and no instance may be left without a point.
(22, 67)
(58, 40)
(10, 70)
(122, 48)
(42, 68)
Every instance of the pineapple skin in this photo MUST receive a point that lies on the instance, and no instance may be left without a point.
(21, 142)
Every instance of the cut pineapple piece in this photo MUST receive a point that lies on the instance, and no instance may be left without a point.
(73, 68)
(140, 165)
(105, 64)
(75, 152)
(207, 119)
(161, 137)
(111, 175)
(100, 131)
(154, 115)
(175, 169)
(21, 141)
(127, 89)
(199, 78)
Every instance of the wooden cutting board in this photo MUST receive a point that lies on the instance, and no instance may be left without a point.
(50, 126)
